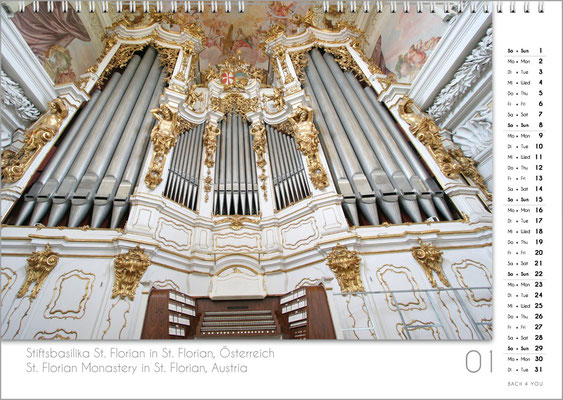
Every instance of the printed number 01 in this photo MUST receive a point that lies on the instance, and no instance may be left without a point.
(473, 361)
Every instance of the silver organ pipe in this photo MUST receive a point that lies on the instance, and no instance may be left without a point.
(183, 177)
(133, 169)
(288, 171)
(337, 169)
(83, 197)
(103, 198)
(30, 198)
(408, 151)
(422, 193)
(63, 165)
(61, 199)
(236, 186)
(388, 164)
(350, 162)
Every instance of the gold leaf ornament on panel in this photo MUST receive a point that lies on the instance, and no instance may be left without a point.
(129, 268)
(424, 128)
(345, 264)
(39, 265)
(14, 165)
(430, 259)
(163, 137)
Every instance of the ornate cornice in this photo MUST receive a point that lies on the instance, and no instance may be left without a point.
(14, 96)
(468, 73)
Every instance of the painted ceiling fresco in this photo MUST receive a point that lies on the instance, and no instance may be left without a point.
(66, 44)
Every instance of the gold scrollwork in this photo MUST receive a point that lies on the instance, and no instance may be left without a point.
(129, 268)
(10, 277)
(210, 143)
(235, 102)
(119, 60)
(163, 137)
(300, 125)
(236, 221)
(14, 165)
(469, 169)
(276, 98)
(193, 97)
(345, 264)
(39, 265)
(60, 334)
(280, 53)
(258, 132)
(425, 129)
(430, 259)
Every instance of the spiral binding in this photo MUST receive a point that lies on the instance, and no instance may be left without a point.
(341, 6)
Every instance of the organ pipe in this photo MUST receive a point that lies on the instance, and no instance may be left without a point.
(357, 178)
(133, 168)
(30, 198)
(61, 199)
(335, 164)
(415, 162)
(63, 165)
(373, 138)
(83, 198)
(103, 197)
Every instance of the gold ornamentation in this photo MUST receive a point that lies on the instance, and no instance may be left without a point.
(258, 132)
(299, 61)
(469, 169)
(274, 32)
(280, 52)
(129, 268)
(426, 130)
(9, 278)
(57, 334)
(163, 137)
(15, 165)
(430, 259)
(193, 97)
(168, 57)
(387, 81)
(306, 21)
(302, 128)
(119, 60)
(345, 265)
(276, 98)
(236, 221)
(210, 143)
(184, 125)
(346, 62)
(39, 265)
(235, 102)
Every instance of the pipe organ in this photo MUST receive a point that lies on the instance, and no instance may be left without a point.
(94, 170)
(225, 185)
(288, 172)
(183, 180)
(236, 183)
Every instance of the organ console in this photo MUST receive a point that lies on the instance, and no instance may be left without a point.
(300, 314)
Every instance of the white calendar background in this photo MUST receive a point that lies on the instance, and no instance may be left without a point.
(523, 360)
